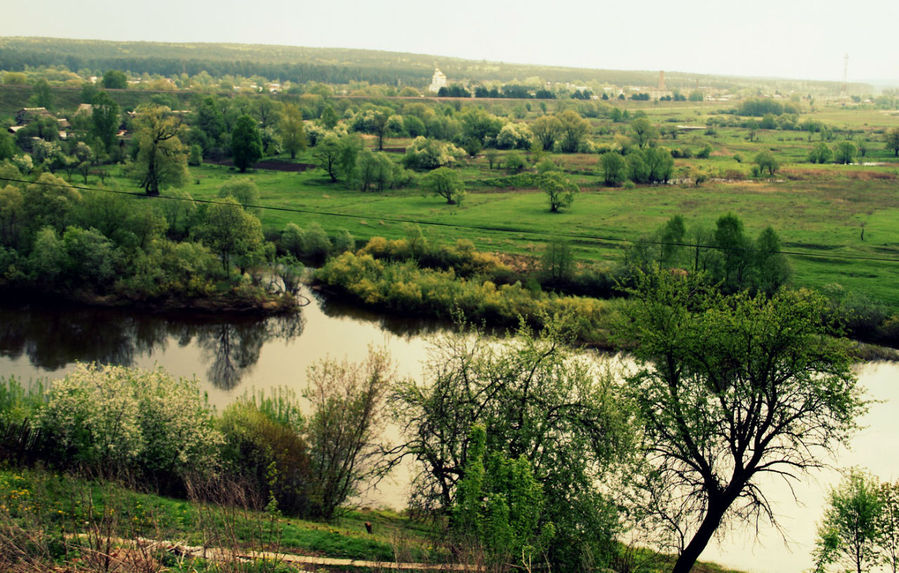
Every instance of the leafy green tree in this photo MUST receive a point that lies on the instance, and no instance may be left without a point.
(892, 141)
(480, 125)
(888, 525)
(244, 191)
(736, 249)
(527, 393)
(499, 506)
(547, 129)
(7, 146)
(161, 158)
(292, 240)
(347, 418)
(766, 162)
(115, 80)
(316, 243)
(514, 136)
(246, 143)
(327, 154)
(637, 170)
(375, 170)
(11, 213)
(230, 231)
(558, 188)
(210, 120)
(659, 164)
(105, 120)
(614, 168)
(374, 120)
(41, 94)
(425, 153)
(290, 126)
(557, 262)
(821, 153)
(844, 152)
(729, 388)
(643, 131)
(771, 266)
(672, 238)
(446, 183)
(849, 533)
(574, 130)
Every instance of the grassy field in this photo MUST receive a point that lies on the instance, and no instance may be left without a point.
(818, 211)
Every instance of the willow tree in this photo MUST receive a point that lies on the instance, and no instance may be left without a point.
(161, 158)
(730, 388)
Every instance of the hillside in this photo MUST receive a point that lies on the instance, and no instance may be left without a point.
(340, 66)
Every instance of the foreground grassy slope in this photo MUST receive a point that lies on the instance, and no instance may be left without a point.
(65, 521)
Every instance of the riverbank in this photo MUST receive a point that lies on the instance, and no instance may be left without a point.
(405, 289)
(244, 302)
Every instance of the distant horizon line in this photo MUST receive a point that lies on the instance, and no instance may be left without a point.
(872, 82)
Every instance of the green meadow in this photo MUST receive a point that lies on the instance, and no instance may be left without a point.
(818, 211)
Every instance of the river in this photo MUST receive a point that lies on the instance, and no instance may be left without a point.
(233, 356)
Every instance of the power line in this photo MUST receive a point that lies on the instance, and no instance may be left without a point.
(607, 239)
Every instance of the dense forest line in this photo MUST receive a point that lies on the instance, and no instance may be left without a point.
(339, 66)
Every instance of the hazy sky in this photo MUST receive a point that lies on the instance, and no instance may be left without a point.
(785, 38)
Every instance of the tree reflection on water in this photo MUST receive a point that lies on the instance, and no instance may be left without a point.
(55, 338)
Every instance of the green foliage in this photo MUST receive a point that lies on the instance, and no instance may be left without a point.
(559, 190)
(264, 433)
(525, 393)
(574, 129)
(557, 264)
(230, 231)
(246, 143)
(821, 153)
(7, 146)
(643, 132)
(291, 128)
(316, 244)
(844, 152)
(41, 94)
(446, 183)
(404, 287)
(892, 141)
(766, 161)
(376, 171)
(245, 192)
(115, 80)
(292, 240)
(426, 154)
(850, 531)
(346, 400)
(547, 129)
(195, 158)
(498, 507)
(115, 419)
(105, 120)
(515, 163)
(707, 360)
(514, 136)
(161, 159)
(614, 168)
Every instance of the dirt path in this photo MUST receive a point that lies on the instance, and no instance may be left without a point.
(227, 555)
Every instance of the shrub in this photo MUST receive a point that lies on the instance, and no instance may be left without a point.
(113, 419)
(264, 445)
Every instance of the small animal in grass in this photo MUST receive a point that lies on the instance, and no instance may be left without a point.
(368, 527)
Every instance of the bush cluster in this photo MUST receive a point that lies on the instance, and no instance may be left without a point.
(160, 433)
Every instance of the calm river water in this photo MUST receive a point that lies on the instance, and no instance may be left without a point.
(232, 356)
